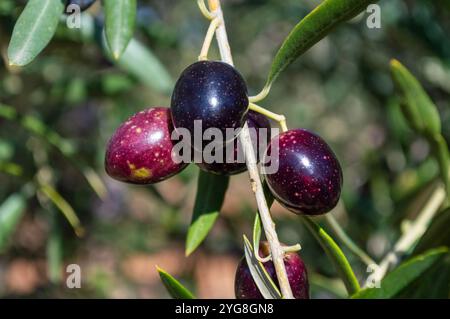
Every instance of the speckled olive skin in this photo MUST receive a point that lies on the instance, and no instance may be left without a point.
(245, 287)
(140, 150)
(83, 4)
(309, 177)
(256, 121)
(210, 91)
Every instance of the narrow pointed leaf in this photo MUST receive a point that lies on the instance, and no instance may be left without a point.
(312, 28)
(33, 30)
(139, 61)
(437, 233)
(417, 106)
(404, 275)
(173, 286)
(11, 211)
(335, 254)
(211, 191)
(120, 19)
(64, 207)
(256, 231)
(259, 274)
(441, 152)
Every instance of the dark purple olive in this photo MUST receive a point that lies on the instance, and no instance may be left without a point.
(83, 4)
(213, 93)
(140, 151)
(235, 165)
(245, 287)
(309, 177)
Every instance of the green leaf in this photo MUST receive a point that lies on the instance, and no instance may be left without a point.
(33, 30)
(256, 230)
(417, 106)
(64, 207)
(11, 211)
(311, 29)
(140, 61)
(441, 152)
(120, 19)
(404, 275)
(433, 284)
(54, 249)
(335, 254)
(437, 233)
(173, 286)
(211, 191)
(259, 274)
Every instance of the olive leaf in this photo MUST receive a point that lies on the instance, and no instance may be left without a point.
(437, 233)
(311, 29)
(417, 106)
(211, 191)
(139, 61)
(173, 286)
(63, 206)
(120, 20)
(256, 230)
(11, 211)
(33, 30)
(265, 284)
(404, 275)
(335, 254)
(422, 115)
(54, 248)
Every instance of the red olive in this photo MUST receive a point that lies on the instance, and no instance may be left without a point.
(140, 151)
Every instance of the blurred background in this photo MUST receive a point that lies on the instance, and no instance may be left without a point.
(57, 114)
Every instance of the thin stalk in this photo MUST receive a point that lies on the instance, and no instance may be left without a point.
(276, 249)
(347, 241)
(280, 118)
(261, 95)
(410, 237)
(208, 39)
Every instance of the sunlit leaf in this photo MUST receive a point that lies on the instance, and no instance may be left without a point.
(404, 275)
(416, 104)
(311, 29)
(173, 286)
(211, 191)
(33, 30)
(120, 19)
(256, 231)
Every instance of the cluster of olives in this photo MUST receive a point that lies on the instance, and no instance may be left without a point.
(308, 180)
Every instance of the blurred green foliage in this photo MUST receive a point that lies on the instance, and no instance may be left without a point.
(340, 89)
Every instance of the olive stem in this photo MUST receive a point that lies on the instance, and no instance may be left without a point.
(261, 259)
(410, 237)
(208, 39)
(347, 241)
(276, 249)
(280, 118)
(204, 10)
(293, 248)
(261, 95)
